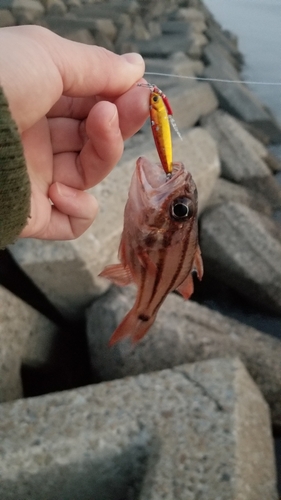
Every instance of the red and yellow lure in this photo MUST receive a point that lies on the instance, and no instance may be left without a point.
(161, 116)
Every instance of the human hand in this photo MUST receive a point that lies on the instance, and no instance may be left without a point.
(74, 105)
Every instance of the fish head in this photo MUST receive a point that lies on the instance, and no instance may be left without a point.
(161, 208)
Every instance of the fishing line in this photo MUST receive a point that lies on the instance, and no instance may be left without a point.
(206, 79)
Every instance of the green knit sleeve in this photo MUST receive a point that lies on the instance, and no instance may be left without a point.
(14, 180)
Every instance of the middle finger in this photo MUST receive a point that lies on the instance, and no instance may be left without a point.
(67, 134)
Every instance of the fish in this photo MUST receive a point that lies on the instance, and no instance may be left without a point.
(159, 248)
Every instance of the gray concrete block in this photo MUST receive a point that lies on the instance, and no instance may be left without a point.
(191, 102)
(240, 159)
(242, 156)
(60, 269)
(18, 322)
(110, 10)
(240, 250)
(183, 332)
(27, 11)
(179, 64)
(6, 18)
(225, 191)
(67, 272)
(55, 7)
(190, 14)
(214, 50)
(197, 42)
(162, 46)
(199, 430)
(82, 35)
(217, 35)
(69, 23)
(239, 101)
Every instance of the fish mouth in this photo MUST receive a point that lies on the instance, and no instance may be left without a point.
(153, 177)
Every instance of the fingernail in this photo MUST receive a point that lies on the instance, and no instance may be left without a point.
(133, 58)
(113, 120)
(66, 191)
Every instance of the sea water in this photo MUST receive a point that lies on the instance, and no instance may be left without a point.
(257, 24)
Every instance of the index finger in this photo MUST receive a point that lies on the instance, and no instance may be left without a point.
(38, 67)
(89, 70)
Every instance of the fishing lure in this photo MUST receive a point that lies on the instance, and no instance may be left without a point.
(161, 116)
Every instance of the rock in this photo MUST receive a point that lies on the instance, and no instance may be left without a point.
(190, 14)
(225, 191)
(215, 34)
(239, 250)
(183, 332)
(67, 271)
(172, 27)
(239, 101)
(27, 11)
(6, 4)
(102, 40)
(59, 269)
(156, 9)
(107, 27)
(154, 28)
(18, 322)
(197, 41)
(179, 64)
(214, 50)
(140, 32)
(191, 102)
(198, 430)
(73, 4)
(162, 46)
(6, 18)
(241, 157)
(107, 10)
(259, 134)
(82, 36)
(273, 162)
(70, 23)
(55, 7)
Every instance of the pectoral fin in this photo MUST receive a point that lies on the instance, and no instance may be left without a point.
(118, 274)
(198, 263)
(186, 287)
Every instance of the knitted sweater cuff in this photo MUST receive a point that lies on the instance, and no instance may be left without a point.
(15, 189)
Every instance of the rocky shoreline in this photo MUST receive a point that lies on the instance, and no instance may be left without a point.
(83, 441)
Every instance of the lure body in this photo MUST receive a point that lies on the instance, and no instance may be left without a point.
(161, 116)
(161, 131)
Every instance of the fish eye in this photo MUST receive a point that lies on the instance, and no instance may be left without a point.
(155, 98)
(181, 208)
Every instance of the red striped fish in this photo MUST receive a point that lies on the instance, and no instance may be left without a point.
(159, 245)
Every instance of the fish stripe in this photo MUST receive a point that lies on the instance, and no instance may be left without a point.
(176, 274)
(143, 271)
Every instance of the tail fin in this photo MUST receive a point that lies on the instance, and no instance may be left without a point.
(134, 325)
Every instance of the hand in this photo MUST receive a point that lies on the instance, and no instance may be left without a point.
(74, 105)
